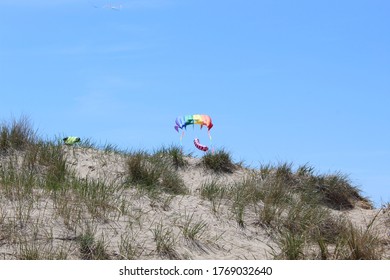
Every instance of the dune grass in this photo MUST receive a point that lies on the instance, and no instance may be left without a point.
(213, 191)
(155, 172)
(18, 134)
(173, 156)
(193, 229)
(219, 161)
(165, 241)
(295, 205)
(91, 248)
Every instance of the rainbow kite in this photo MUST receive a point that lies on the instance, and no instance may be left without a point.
(183, 121)
(203, 120)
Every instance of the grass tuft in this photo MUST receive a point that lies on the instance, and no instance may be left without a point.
(214, 192)
(129, 248)
(152, 173)
(219, 161)
(193, 230)
(337, 191)
(16, 135)
(165, 241)
(90, 249)
(173, 155)
(292, 246)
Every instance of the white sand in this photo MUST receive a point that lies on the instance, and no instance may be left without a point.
(136, 216)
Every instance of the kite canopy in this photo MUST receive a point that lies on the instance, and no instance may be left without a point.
(202, 120)
(70, 140)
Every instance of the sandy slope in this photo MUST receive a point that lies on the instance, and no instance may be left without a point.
(222, 238)
(135, 217)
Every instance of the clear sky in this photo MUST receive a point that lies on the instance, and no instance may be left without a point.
(284, 81)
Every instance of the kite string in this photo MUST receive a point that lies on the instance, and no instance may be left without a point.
(211, 142)
(181, 140)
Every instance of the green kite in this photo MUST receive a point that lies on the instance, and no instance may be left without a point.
(70, 140)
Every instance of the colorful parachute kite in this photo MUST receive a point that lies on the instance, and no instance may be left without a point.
(203, 120)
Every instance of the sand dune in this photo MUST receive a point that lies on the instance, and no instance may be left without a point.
(135, 224)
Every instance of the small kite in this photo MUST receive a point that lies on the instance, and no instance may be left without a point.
(203, 120)
(113, 7)
(70, 140)
(200, 146)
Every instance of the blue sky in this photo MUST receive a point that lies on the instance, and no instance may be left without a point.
(284, 81)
